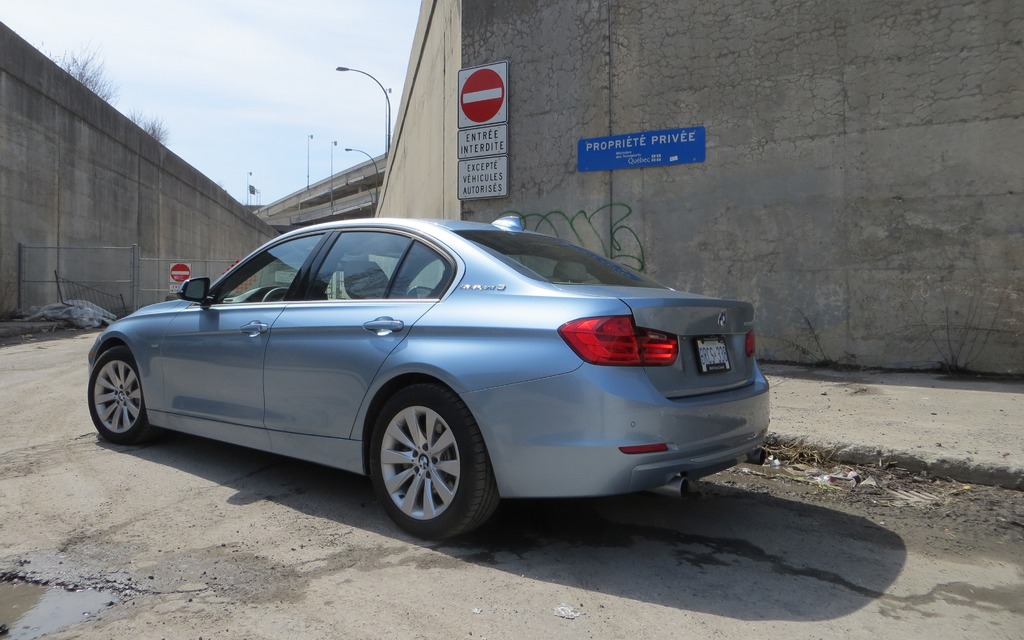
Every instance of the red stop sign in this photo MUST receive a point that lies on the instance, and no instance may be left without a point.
(482, 96)
(180, 272)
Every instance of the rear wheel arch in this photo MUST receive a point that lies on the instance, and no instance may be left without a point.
(381, 398)
(428, 462)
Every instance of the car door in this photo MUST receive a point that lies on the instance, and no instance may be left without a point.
(325, 351)
(212, 357)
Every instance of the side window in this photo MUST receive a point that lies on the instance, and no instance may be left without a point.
(423, 274)
(267, 276)
(359, 266)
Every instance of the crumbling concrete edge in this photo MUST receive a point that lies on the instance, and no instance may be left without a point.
(966, 470)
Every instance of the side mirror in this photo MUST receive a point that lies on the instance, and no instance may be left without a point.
(196, 290)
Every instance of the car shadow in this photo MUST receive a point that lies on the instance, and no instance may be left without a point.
(704, 554)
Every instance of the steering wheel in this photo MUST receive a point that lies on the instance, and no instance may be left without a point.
(276, 294)
(419, 292)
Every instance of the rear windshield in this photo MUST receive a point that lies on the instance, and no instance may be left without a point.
(556, 261)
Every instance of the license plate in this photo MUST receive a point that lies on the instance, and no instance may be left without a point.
(713, 355)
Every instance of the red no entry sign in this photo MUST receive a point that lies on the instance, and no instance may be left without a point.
(181, 272)
(483, 95)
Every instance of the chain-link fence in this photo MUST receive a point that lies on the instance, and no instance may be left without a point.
(114, 278)
(159, 278)
(103, 273)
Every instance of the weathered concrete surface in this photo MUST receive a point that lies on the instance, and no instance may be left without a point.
(864, 176)
(971, 430)
(422, 155)
(74, 171)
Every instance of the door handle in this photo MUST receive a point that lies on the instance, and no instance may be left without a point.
(254, 328)
(384, 326)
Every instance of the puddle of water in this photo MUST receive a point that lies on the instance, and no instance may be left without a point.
(30, 611)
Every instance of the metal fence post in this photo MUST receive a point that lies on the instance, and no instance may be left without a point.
(136, 283)
(20, 273)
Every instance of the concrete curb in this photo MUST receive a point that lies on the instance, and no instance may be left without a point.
(964, 470)
(22, 328)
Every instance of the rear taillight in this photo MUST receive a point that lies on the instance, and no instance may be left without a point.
(616, 340)
(751, 344)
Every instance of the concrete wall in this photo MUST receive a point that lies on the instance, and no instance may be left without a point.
(864, 179)
(75, 171)
(420, 162)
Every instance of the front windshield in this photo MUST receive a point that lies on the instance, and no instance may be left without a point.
(553, 260)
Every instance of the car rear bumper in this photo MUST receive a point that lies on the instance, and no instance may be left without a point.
(560, 436)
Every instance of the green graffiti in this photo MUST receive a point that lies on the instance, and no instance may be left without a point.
(590, 230)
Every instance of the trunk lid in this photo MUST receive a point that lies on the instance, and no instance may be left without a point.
(712, 339)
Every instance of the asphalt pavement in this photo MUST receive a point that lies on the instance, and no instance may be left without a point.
(970, 429)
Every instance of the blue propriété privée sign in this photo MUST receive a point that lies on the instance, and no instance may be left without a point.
(644, 149)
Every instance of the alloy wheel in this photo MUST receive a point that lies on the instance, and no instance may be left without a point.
(117, 396)
(420, 462)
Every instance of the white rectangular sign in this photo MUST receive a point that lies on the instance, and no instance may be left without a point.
(483, 178)
(479, 142)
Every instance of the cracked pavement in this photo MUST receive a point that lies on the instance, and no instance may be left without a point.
(201, 539)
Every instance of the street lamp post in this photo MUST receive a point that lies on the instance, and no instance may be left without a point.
(248, 188)
(376, 176)
(387, 98)
(307, 160)
(333, 144)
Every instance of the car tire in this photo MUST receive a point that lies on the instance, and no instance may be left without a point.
(429, 464)
(116, 402)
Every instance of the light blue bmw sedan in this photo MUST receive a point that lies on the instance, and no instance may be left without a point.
(455, 363)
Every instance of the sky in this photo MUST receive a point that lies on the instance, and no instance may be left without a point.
(241, 85)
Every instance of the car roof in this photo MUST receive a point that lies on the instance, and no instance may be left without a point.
(425, 225)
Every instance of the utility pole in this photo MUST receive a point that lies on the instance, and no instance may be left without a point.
(307, 160)
(333, 144)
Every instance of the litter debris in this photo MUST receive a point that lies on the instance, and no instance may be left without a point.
(565, 611)
(829, 480)
(478, 611)
(81, 313)
(838, 477)
(913, 497)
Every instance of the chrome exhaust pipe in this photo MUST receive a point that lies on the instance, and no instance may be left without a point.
(677, 487)
(757, 456)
